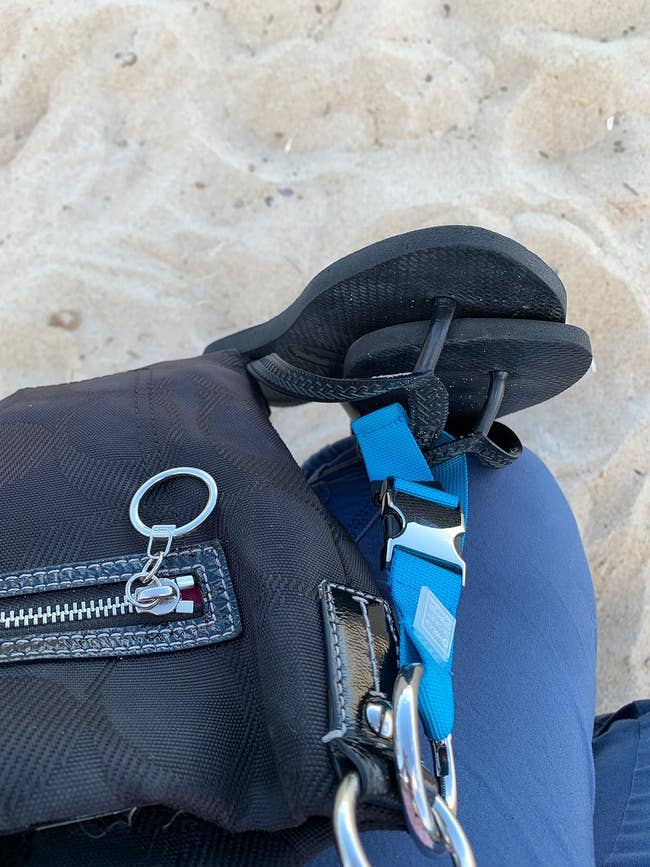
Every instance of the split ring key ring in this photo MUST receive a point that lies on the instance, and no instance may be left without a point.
(170, 531)
(150, 594)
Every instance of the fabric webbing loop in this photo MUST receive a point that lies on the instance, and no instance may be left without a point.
(425, 584)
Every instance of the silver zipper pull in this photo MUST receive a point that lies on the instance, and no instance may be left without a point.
(162, 597)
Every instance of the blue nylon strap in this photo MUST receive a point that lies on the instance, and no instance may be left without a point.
(425, 593)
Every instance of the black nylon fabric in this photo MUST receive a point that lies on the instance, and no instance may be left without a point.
(158, 837)
(230, 733)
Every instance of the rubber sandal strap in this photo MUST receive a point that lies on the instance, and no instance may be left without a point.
(423, 394)
(496, 449)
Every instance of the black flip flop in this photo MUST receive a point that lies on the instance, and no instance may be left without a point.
(458, 323)
(540, 360)
(398, 280)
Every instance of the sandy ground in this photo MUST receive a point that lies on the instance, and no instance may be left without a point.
(171, 171)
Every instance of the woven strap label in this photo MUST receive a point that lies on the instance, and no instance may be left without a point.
(434, 625)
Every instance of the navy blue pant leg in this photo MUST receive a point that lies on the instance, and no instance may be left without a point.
(622, 758)
(524, 664)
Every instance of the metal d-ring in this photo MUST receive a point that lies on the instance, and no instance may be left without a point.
(171, 532)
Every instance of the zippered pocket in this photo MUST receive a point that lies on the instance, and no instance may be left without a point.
(82, 609)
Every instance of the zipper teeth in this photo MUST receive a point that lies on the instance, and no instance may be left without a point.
(111, 606)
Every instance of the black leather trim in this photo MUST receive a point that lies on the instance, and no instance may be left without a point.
(362, 650)
(219, 619)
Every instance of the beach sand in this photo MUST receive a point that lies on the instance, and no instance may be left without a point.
(172, 171)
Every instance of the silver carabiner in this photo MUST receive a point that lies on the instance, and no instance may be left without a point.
(429, 817)
(445, 769)
(346, 832)
(408, 759)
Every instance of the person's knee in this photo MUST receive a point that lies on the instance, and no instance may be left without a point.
(521, 530)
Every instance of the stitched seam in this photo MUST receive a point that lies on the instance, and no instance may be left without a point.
(224, 587)
(208, 589)
(389, 613)
(129, 650)
(101, 565)
(369, 524)
(371, 645)
(337, 650)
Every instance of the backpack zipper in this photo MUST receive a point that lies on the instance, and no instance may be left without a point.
(116, 607)
(160, 600)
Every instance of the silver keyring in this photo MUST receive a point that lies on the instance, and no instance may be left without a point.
(206, 478)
